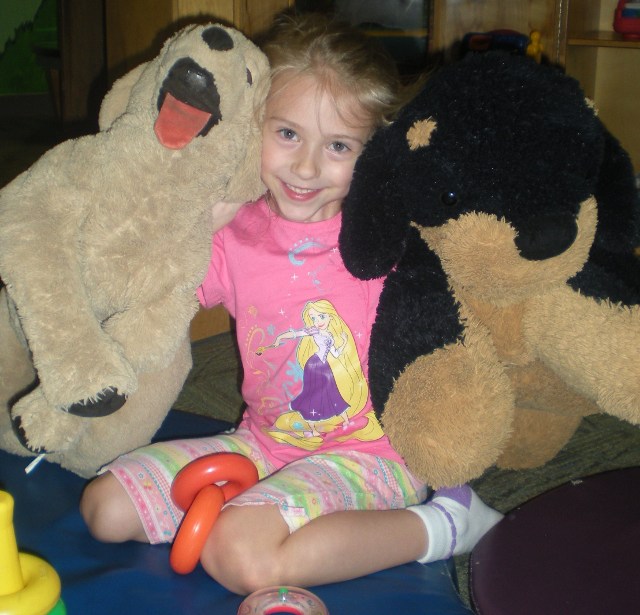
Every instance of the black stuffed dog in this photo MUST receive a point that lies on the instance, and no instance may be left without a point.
(504, 215)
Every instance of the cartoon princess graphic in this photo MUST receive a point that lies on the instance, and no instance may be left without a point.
(334, 389)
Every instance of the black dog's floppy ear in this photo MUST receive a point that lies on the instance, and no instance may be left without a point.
(618, 230)
(618, 199)
(375, 219)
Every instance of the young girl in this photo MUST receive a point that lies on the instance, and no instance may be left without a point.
(335, 501)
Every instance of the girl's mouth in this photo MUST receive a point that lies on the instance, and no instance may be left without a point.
(299, 194)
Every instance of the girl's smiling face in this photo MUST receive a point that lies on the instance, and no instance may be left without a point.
(309, 148)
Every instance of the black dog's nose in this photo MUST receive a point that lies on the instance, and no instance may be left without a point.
(546, 236)
(217, 39)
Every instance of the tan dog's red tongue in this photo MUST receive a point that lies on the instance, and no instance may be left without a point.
(178, 123)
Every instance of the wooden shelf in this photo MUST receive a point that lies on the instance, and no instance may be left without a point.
(602, 38)
(388, 33)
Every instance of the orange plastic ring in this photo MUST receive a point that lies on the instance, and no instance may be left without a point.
(195, 528)
(195, 490)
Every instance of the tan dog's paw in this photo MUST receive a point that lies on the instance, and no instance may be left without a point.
(42, 428)
(8, 439)
(105, 403)
(100, 378)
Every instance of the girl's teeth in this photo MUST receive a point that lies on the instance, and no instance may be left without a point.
(299, 190)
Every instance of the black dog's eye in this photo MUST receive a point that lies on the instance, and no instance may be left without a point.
(449, 198)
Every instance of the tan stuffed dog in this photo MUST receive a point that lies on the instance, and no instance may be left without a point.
(505, 215)
(104, 240)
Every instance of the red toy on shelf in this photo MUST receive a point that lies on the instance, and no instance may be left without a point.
(626, 19)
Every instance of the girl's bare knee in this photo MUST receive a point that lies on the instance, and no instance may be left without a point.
(109, 513)
(241, 555)
(236, 567)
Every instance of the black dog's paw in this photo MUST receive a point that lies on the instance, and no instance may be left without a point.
(108, 401)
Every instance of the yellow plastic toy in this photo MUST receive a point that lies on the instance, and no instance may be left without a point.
(28, 584)
(534, 48)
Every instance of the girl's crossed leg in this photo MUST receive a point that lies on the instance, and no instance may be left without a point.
(322, 519)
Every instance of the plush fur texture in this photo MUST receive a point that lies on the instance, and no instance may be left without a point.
(505, 215)
(104, 240)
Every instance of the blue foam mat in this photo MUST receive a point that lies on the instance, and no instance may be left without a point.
(135, 578)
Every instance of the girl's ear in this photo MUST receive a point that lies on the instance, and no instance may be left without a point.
(375, 221)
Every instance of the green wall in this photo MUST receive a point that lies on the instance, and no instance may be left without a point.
(25, 24)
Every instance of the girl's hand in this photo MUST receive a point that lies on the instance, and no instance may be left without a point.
(222, 213)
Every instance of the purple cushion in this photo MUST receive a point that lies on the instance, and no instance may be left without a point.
(571, 550)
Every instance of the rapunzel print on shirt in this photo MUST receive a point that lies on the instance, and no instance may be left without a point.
(334, 388)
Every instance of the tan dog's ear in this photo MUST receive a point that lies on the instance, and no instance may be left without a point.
(419, 134)
(115, 102)
(245, 184)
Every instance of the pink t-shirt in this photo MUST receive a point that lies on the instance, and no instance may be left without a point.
(303, 328)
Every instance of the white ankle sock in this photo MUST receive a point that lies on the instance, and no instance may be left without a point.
(455, 519)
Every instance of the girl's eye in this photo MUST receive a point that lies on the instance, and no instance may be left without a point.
(287, 133)
(339, 147)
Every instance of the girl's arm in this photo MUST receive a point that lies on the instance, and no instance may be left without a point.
(222, 213)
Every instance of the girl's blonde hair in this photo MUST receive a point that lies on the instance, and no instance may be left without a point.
(342, 58)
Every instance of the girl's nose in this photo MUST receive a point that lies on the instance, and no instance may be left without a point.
(306, 165)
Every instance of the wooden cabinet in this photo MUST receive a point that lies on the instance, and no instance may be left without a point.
(577, 34)
(452, 19)
(607, 66)
(136, 30)
(77, 80)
